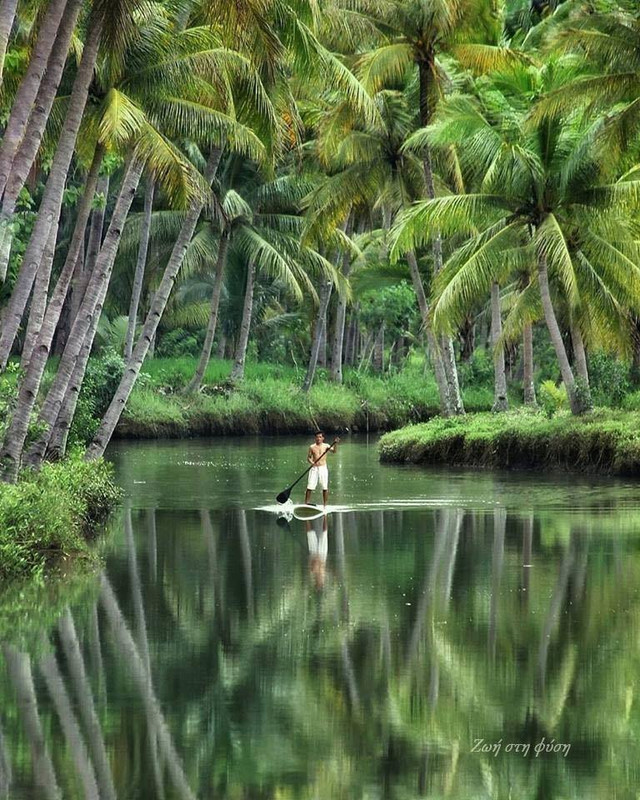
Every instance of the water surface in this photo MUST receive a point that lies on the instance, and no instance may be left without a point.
(455, 634)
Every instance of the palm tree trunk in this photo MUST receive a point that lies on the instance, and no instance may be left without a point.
(556, 337)
(39, 298)
(7, 15)
(129, 651)
(30, 383)
(434, 349)
(94, 244)
(30, 144)
(139, 273)
(6, 773)
(69, 724)
(579, 354)
(160, 298)
(196, 382)
(497, 566)
(91, 306)
(378, 349)
(28, 89)
(237, 372)
(527, 358)
(500, 401)
(21, 676)
(337, 346)
(86, 706)
(51, 203)
(325, 295)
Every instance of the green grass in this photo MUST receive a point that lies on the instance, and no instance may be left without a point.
(52, 513)
(270, 400)
(604, 441)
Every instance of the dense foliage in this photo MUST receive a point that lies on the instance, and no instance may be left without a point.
(344, 185)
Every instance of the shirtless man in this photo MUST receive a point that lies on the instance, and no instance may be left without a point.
(319, 472)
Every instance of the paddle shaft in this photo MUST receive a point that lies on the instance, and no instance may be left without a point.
(287, 491)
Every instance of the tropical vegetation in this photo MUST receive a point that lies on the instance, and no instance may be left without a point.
(341, 185)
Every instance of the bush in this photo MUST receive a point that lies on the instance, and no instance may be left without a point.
(179, 342)
(52, 512)
(552, 398)
(609, 378)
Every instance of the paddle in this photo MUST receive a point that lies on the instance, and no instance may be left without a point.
(286, 493)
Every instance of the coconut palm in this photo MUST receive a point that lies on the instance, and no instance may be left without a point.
(544, 200)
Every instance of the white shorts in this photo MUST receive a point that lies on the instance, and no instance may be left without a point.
(318, 474)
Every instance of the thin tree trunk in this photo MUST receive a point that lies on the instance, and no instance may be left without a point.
(39, 298)
(128, 649)
(30, 383)
(579, 354)
(325, 295)
(19, 669)
(64, 325)
(222, 343)
(28, 89)
(337, 346)
(30, 144)
(50, 206)
(90, 308)
(160, 298)
(500, 401)
(94, 244)
(237, 372)
(140, 266)
(86, 706)
(527, 358)
(69, 724)
(322, 349)
(223, 247)
(7, 15)
(556, 337)
(6, 774)
(378, 349)
(434, 349)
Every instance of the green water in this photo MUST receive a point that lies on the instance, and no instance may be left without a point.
(453, 634)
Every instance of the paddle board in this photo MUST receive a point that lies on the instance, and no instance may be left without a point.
(304, 511)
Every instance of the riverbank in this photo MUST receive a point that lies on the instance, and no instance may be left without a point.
(270, 401)
(606, 442)
(53, 514)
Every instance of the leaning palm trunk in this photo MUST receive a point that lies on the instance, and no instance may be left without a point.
(39, 299)
(69, 724)
(28, 89)
(529, 390)
(94, 244)
(139, 273)
(321, 320)
(556, 337)
(500, 401)
(237, 372)
(86, 705)
(30, 144)
(158, 305)
(21, 676)
(432, 343)
(51, 204)
(196, 381)
(37, 358)
(91, 306)
(7, 15)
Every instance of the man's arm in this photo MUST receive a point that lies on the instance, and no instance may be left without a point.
(333, 447)
(310, 456)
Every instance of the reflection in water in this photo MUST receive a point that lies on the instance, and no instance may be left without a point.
(358, 655)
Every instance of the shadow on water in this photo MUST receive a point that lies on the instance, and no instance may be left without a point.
(487, 647)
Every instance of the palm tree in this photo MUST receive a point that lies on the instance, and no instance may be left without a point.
(544, 199)
(7, 15)
(140, 267)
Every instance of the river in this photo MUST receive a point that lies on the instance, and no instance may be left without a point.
(441, 634)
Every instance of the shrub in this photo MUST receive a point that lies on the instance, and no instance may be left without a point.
(179, 342)
(52, 512)
(609, 378)
(552, 398)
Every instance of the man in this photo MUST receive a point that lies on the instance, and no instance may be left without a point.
(319, 472)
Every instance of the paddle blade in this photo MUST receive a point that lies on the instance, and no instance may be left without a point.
(284, 496)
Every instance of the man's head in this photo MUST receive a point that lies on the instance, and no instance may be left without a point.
(319, 437)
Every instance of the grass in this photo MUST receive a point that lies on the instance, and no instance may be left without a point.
(52, 513)
(605, 441)
(270, 400)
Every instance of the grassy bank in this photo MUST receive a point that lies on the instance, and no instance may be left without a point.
(606, 441)
(269, 400)
(53, 514)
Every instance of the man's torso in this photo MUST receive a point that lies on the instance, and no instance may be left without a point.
(318, 450)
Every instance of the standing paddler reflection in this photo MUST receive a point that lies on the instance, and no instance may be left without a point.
(318, 542)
